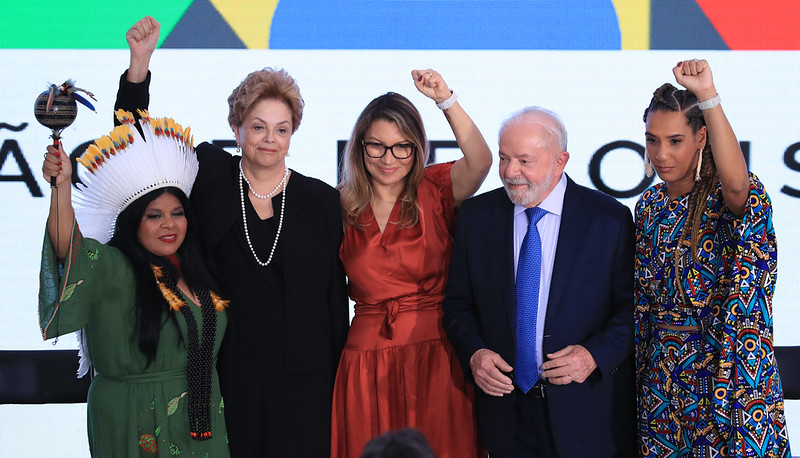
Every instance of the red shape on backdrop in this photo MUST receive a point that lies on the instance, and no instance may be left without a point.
(755, 25)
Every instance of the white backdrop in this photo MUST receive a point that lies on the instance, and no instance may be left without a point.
(600, 95)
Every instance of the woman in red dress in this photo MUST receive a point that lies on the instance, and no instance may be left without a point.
(398, 369)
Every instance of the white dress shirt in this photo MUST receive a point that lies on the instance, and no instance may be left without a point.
(548, 228)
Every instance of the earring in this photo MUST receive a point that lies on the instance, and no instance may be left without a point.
(287, 154)
(699, 165)
(238, 149)
(648, 166)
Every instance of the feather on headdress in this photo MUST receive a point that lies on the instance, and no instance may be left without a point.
(124, 165)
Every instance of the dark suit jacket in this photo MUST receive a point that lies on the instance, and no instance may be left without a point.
(317, 317)
(590, 303)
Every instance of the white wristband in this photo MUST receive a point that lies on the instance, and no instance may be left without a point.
(445, 104)
(709, 104)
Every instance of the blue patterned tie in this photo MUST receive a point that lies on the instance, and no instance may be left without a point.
(529, 267)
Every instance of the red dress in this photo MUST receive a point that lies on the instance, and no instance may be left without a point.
(397, 368)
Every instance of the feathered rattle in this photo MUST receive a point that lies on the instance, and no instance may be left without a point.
(56, 109)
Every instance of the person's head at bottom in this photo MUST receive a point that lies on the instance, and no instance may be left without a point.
(405, 443)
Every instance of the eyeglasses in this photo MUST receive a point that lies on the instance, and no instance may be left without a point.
(378, 150)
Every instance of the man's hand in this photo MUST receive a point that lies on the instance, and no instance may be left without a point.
(487, 370)
(572, 363)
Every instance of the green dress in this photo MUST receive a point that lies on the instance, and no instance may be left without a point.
(134, 410)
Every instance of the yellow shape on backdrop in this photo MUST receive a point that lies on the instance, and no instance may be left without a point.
(250, 19)
(634, 23)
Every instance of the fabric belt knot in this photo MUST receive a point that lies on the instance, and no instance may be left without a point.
(527, 292)
(387, 329)
(391, 308)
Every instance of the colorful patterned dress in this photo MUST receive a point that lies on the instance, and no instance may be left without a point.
(714, 391)
(133, 409)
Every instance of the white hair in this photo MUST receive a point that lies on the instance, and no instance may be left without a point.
(528, 114)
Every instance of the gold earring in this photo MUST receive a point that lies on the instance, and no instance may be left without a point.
(699, 165)
(648, 165)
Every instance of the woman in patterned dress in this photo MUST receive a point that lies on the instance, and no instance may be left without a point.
(397, 369)
(706, 262)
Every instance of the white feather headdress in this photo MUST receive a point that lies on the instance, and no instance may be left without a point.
(123, 166)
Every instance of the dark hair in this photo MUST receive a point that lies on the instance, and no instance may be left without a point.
(150, 305)
(671, 99)
(406, 443)
(356, 185)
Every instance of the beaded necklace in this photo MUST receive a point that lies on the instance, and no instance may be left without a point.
(284, 183)
(198, 367)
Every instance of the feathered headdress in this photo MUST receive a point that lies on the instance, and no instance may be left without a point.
(124, 165)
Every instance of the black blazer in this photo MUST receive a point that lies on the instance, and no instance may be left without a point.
(317, 311)
(590, 303)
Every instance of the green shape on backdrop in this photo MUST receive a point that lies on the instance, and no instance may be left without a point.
(88, 24)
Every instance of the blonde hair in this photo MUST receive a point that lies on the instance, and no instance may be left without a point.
(356, 186)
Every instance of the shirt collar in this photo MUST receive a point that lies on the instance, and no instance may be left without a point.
(554, 202)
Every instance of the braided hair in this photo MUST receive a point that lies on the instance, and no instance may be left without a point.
(671, 99)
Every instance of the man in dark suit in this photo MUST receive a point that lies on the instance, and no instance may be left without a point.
(545, 333)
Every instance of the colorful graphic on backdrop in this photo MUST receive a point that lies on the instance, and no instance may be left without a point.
(410, 24)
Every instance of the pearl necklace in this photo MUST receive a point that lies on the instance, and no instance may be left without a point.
(274, 191)
(283, 183)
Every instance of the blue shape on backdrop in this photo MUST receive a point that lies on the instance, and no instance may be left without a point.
(693, 31)
(445, 24)
(201, 26)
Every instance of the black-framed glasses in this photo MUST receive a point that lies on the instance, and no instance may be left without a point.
(399, 150)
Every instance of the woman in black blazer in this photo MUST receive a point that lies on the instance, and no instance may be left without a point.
(271, 238)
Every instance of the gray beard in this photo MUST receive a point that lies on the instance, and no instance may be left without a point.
(534, 193)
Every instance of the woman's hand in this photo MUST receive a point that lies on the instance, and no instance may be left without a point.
(142, 40)
(56, 164)
(695, 75)
(431, 83)
(59, 224)
(143, 36)
(468, 172)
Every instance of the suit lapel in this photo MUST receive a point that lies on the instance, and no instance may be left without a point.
(569, 236)
(502, 255)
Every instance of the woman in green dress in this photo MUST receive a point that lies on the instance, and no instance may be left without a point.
(124, 269)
